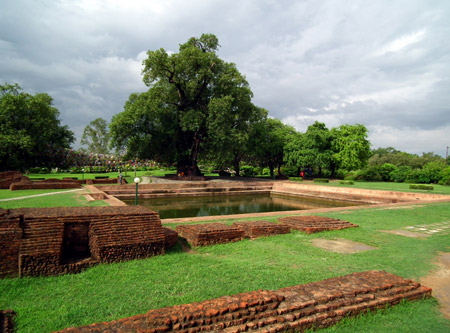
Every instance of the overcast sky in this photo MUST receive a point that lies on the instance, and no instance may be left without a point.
(384, 64)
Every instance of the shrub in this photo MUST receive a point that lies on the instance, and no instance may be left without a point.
(421, 187)
(418, 176)
(287, 171)
(401, 174)
(321, 180)
(372, 173)
(445, 176)
(385, 170)
(346, 182)
(351, 175)
(296, 179)
(247, 171)
(258, 171)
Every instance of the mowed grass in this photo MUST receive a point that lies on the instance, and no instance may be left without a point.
(59, 199)
(108, 292)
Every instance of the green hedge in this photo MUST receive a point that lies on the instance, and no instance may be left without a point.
(421, 187)
(347, 182)
(321, 180)
(296, 179)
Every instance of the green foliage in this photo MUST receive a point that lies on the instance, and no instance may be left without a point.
(247, 171)
(350, 146)
(296, 179)
(400, 174)
(321, 180)
(96, 136)
(346, 182)
(30, 131)
(196, 103)
(421, 187)
(445, 180)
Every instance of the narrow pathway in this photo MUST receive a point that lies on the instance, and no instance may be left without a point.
(41, 195)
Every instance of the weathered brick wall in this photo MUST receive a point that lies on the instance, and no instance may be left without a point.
(255, 229)
(26, 184)
(69, 239)
(318, 304)
(312, 224)
(7, 321)
(10, 237)
(9, 177)
(210, 233)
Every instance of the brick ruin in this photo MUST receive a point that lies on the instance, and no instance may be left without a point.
(210, 233)
(219, 233)
(298, 308)
(49, 241)
(9, 177)
(255, 229)
(7, 318)
(312, 224)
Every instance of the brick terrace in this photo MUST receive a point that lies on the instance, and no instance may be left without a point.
(318, 304)
(312, 224)
(255, 229)
(209, 234)
(48, 241)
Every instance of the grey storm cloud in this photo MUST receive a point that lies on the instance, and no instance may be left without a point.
(384, 64)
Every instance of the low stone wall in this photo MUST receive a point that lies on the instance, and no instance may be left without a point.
(9, 177)
(26, 184)
(49, 241)
(351, 194)
(313, 224)
(298, 308)
(210, 233)
(255, 229)
(7, 321)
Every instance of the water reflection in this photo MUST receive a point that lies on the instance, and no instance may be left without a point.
(236, 204)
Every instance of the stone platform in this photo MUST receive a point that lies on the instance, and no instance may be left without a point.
(318, 304)
(255, 229)
(210, 233)
(313, 224)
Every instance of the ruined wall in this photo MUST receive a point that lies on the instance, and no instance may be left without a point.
(26, 184)
(318, 304)
(68, 239)
(9, 177)
(313, 224)
(10, 238)
(7, 321)
(255, 229)
(210, 233)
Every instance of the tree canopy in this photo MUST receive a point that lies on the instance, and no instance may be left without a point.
(191, 94)
(96, 136)
(30, 130)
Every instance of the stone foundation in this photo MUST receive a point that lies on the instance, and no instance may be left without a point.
(49, 241)
(255, 229)
(313, 305)
(312, 224)
(210, 233)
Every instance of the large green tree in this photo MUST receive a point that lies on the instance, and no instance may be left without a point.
(350, 146)
(267, 140)
(311, 149)
(30, 130)
(190, 93)
(96, 136)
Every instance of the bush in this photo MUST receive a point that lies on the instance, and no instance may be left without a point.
(286, 170)
(247, 171)
(421, 187)
(418, 176)
(346, 182)
(385, 171)
(296, 179)
(321, 180)
(258, 171)
(401, 174)
(445, 176)
(351, 175)
(371, 174)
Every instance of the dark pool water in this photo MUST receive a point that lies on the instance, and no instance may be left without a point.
(236, 204)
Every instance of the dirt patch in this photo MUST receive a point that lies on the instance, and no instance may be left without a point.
(341, 245)
(439, 281)
(403, 207)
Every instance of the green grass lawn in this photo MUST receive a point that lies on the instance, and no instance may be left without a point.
(113, 291)
(70, 199)
(386, 186)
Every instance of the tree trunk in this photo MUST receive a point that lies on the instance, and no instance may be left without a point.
(236, 165)
(271, 171)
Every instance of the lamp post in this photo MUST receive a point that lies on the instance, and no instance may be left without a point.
(136, 180)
